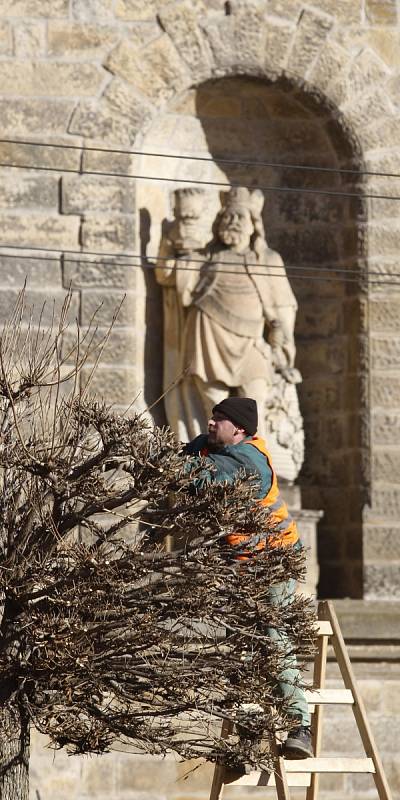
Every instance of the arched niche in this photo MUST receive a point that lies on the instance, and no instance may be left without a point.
(317, 231)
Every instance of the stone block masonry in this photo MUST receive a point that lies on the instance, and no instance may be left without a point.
(260, 80)
(320, 86)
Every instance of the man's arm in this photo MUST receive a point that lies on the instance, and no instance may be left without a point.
(231, 462)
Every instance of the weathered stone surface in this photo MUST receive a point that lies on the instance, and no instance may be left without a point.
(249, 39)
(104, 233)
(158, 71)
(31, 117)
(30, 39)
(322, 358)
(180, 22)
(136, 10)
(381, 581)
(384, 314)
(345, 11)
(320, 396)
(87, 193)
(393, 90)
(39, 304)
(92, 10)
(328, 318)
(99, 122)
(367, 110)
(386, 464)
(123, 100)
(382, 12)
(79, 40)
(381, 543)
(385, 353)
(385, 42)
(386, 499)
(120, 347)
(366, 72)
(38, 271)
(28, 190)
(39, 230)
(36, 155)
(385, 427)
(312, 30)
(98, 161)
(277, 40)
(384, 239)
(285, 8)
(34, 8)
(239, 40)
(113, 272)
(5, 38)
(385, 390)
(116, 119)
(106, 305)
(50, 79)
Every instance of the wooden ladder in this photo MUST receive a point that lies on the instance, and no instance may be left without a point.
(305, 773)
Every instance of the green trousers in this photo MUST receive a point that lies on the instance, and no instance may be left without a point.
(282, 593)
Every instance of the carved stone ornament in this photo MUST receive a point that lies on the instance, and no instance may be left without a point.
(229, 315)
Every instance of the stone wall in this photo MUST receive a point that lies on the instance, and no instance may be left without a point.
(292, 82)
(283, 81)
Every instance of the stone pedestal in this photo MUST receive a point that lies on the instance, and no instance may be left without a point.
(307, 521)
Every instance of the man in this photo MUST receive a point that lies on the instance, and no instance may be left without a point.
(230, 447)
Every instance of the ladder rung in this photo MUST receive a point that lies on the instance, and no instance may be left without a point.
(332, 764)
(263, 779)
(323, 627)
(342, 697)
(300, 770)
(293, 779)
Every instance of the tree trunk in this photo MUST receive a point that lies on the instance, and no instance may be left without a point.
(14, 754)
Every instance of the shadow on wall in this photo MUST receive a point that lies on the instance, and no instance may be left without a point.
(316, 231)
(153, 325)
(281, 124)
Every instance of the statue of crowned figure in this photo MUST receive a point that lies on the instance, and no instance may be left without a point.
(229, 317)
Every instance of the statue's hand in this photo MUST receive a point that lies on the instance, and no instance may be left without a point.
(291, 375)
(275, 334)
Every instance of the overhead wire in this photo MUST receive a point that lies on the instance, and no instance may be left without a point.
(197, 182)
(150, 262)
(208, 159)
(346, 273)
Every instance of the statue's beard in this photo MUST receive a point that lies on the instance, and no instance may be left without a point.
(234, 238)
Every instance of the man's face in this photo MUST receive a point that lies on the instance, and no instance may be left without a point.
(222, 431)
(236, 228)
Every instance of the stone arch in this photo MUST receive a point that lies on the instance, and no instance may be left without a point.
(302, 51)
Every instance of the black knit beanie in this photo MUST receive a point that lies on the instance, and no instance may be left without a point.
(240, 410)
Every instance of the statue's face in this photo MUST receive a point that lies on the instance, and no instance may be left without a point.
(236, 228)
(188, 230)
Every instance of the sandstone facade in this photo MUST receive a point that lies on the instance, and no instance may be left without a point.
(277, 81)
(262, 80)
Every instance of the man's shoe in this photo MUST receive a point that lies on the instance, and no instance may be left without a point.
(298, 744)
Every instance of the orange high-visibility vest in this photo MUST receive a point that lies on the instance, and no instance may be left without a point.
(281, 520)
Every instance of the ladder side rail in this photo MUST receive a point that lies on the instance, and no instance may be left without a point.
(349, 680)
(319, 679)
(217, 786)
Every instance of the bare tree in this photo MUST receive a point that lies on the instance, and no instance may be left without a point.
(105, 635)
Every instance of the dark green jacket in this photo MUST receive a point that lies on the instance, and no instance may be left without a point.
(229, 462)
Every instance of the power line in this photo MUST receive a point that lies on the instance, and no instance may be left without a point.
(207, 159)
(197, 182)
(345, 277)
(148, 258)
